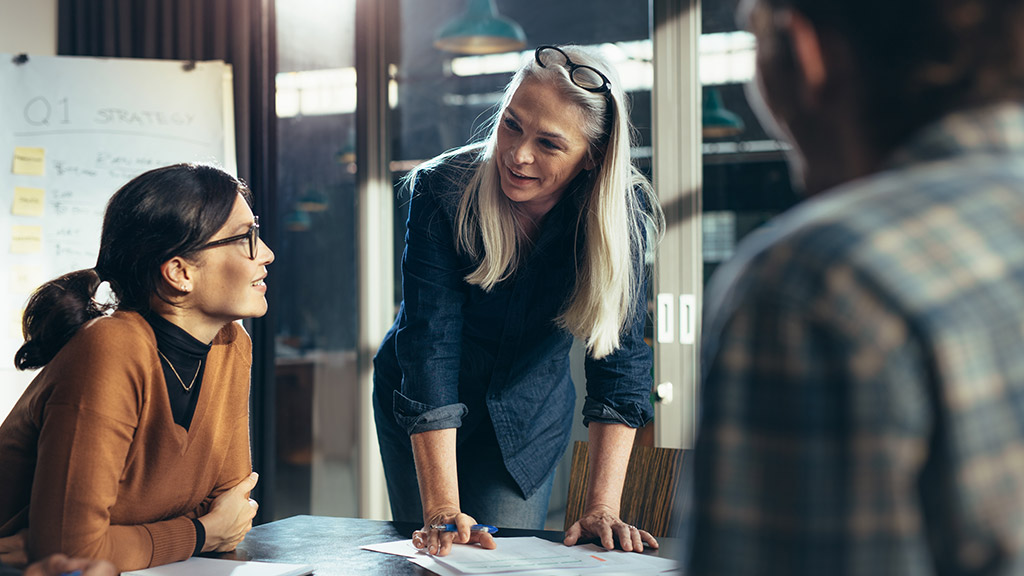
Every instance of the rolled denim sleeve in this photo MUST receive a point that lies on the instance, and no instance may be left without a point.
(418, 417)
(619, 385)
(429, 336)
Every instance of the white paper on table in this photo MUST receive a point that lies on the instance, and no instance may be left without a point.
(631, 562)
(428, 563)
(197, 566)
(591, 559)
(397, 547)
(516, 555)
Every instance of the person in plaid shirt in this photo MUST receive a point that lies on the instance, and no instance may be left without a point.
(862, 407)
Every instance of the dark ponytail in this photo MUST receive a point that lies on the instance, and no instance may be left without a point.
(166, 212)
(54, 313)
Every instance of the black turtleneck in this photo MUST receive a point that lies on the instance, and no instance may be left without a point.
(181, 353)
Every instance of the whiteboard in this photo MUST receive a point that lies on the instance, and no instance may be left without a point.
(72, 131)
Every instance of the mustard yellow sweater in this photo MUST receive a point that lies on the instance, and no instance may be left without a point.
(92, 461)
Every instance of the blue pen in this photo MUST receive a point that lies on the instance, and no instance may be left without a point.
(75, 573)
(474, 528)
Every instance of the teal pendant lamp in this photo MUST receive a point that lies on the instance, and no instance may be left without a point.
(347, 153)
(716, 121)
(312, 201)
(480, 30)
(298, 221)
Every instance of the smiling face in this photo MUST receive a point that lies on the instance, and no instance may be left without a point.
(229, 285)
(541, 147)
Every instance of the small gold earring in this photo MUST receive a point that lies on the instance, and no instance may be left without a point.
(185, 289)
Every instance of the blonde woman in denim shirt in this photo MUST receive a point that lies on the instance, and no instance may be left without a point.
(515, 245)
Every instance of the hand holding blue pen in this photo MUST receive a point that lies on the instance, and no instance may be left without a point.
(441, 532)
(474, 528)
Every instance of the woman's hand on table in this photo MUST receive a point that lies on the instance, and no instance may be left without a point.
(230, 517)
(605, 526)
(439, 542)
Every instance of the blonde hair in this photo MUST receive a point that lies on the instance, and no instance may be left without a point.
(619, 214)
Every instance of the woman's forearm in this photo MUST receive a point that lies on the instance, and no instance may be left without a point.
(436, 470)
(610, 447)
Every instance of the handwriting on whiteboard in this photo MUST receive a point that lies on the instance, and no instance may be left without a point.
(124, 117)
(49, 111)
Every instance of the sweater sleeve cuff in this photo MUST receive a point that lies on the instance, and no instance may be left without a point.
(173, 540)
(200, 536)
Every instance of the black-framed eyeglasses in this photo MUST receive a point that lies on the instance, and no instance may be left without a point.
(253, 235)
(587, 77)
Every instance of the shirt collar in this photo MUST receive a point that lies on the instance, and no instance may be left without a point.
(172, 339)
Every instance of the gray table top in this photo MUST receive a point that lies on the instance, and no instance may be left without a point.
(331, 544)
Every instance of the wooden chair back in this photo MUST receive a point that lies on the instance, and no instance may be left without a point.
(648, 495)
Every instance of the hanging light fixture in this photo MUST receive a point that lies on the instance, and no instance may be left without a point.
(716, 120)
(480, 30)
(347, 153)
(298, 221)
(312, 201)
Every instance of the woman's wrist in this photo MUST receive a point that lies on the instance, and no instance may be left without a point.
(440, 501)
(209, 539)
(200, 536)
(440, 515)
(600, 508)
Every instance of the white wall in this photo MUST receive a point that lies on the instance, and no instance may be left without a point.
(28, 26)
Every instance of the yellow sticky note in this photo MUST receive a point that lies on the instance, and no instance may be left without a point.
(15, 326)
(26, 239)
(29, 161)
(28, 201)
(25, 279)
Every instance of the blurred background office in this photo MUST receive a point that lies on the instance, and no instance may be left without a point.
(324, 153)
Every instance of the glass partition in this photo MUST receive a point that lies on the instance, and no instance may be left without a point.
(746, 180)
(313, 278)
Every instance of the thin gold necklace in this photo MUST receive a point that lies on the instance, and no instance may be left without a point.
(193, 383)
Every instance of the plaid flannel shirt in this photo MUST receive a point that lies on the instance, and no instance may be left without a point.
(862, 407)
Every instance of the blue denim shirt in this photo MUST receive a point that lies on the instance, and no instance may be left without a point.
(457, 354)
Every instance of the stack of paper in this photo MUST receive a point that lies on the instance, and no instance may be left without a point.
(529, 557)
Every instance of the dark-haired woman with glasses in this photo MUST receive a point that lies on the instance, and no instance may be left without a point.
(132, 442)
(516, 245)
